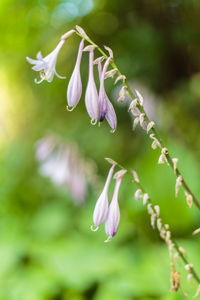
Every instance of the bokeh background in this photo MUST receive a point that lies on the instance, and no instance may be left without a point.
(46, 247)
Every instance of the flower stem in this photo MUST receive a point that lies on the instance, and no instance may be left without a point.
(184, 259)
(153, 130)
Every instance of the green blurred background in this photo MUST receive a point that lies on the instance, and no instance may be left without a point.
(46, 247)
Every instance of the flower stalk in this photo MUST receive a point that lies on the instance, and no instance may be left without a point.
(163, 229)
(152, 130)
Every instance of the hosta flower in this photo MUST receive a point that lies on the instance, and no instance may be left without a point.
(110, 112)
(74, 89)
(113, 218)
(46, 65)
(101, 208)
(91, 95)
(102, 94)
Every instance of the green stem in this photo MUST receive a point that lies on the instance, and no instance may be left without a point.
(192, 270)
(153, 130)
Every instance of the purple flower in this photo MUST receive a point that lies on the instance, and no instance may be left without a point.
(110, 112)
(101, 207)
(46, 65)
(113, 218)
(102, 93)
(74, 89)
(91, 95)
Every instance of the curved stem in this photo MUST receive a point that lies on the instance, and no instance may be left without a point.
(184, 259)
(153, 130)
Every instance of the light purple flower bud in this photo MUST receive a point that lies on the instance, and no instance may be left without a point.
(47, 65)
(113, 218)
(102, 94)
(101, 207)
(91, 95)
(74, 89)
(110, 113)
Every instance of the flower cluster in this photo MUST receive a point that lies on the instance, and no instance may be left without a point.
(105, 212)
(97, 103)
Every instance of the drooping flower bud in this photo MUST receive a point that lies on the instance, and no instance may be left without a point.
(101, 207)
(91, 95)
(74, 89)
(102, 93)
(113, 218)
(110, 113)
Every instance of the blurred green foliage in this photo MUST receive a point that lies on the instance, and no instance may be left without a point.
(47, 250)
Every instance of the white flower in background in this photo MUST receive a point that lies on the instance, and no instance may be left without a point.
(62, 163)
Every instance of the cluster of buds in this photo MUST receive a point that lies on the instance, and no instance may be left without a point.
(139, 118)
(105, 211)
(62, 162)
(165, 234)
(135, 111)
(98, 106)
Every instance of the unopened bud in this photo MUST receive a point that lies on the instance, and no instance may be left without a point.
(81, 32)
(157, 209)
(166, 226)
(109, 51)
(135, 176)
(159, 224)
(90, 48)
(145, 198)
(120, 77)
(176, 256)
(163, 159)
(182, 250)
(119, 174)
(153, 219)
(175, 161)
(133, 105)
(135, 122)
(98, 60)
(188, 267)
(142, 121)
(122, 94)
(138, 194)
(150, 126)
(196, 231)
(110, 73)
(150, 209)
(111, 161)
(178, 184)
(189, 199)
(140, 98)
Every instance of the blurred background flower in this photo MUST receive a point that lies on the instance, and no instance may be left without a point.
(47, 249)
